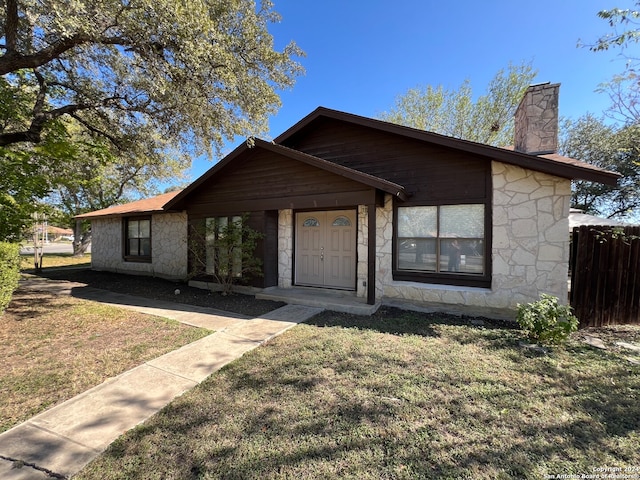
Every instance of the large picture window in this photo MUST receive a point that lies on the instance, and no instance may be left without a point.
(138, 239)
(441, 239)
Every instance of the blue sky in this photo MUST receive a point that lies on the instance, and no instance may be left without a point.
(362, 54)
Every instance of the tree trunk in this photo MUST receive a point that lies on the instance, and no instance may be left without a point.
(81, 240)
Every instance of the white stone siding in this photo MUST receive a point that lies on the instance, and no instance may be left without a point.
(362, 251)
(285, 248)
(529, 252)
(168, 247)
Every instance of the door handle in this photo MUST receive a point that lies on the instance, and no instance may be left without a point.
(322, 254)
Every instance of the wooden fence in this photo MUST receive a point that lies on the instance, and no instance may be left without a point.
(605, 275)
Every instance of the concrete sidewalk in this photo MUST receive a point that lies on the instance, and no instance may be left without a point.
(61, 441)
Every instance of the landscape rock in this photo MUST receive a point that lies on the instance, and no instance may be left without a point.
(629, 346)
(594, 342)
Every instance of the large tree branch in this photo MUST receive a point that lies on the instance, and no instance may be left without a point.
(40, 118)
(13, 61)
(11, 26)
(97, 131)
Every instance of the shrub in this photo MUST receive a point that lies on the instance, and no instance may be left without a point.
(9, 272)
(224, 248)
(545, 321)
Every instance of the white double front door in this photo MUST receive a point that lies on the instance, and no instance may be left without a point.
(326, 249)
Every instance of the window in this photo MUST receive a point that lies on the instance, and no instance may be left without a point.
(221, 255)
(441, 242)
(138, 239)
(341, 222)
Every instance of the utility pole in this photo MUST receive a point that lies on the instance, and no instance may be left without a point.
(38, 239)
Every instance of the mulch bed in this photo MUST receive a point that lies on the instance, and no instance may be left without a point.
(160, 289)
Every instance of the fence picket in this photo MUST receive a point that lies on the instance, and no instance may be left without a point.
(605, 283)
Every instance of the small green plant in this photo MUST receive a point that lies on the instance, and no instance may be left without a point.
(224, 247)
(9, 272)
(546, 321)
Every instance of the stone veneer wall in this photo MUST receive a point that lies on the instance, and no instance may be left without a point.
(530, 251)
(168, 247)
(285, 248)
(362, 251)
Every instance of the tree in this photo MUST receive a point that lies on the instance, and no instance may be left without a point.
(99, 176)
(611, 148)
(26, 174)
(618, 17)
(623, 89)
(489, 119)
(124, 92)
(195, 72)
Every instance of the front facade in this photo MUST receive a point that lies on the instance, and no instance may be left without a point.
(384, 212)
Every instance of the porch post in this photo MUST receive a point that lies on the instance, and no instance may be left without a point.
(371, 254)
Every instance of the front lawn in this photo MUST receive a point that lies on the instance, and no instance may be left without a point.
(398, 395)
(55, 347)
(56, 260)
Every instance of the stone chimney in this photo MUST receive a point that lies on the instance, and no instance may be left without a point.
(536, 120)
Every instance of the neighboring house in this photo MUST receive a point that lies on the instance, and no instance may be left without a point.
(578, 218)
(55, 234)
(390, 213)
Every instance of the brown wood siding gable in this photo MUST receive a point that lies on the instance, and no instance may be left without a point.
(262, 180)
(429, 173)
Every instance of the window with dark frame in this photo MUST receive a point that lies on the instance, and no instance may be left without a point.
(441, 244)
(138, 239)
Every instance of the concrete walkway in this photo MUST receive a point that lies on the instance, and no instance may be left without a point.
(61, 441)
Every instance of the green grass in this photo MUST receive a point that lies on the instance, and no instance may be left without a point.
(56, 260)
(55, 347)
(401, 395)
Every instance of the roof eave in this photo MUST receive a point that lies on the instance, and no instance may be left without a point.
(524, 160)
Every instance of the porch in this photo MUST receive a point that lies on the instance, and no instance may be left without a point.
(335, 300)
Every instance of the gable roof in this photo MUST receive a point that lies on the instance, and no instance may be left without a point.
(552, 164)
(361, 177)
(144, 206)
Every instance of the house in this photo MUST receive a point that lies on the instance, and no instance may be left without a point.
(578, 218)
(55, 234)
(386, 213)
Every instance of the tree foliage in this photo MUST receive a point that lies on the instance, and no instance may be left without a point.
(612, 148)
(26, 174)
(487, 119)
(195, 72)
(625, 23)
(99, 176)
(624, 88)
(99, 99)
(9, 272)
